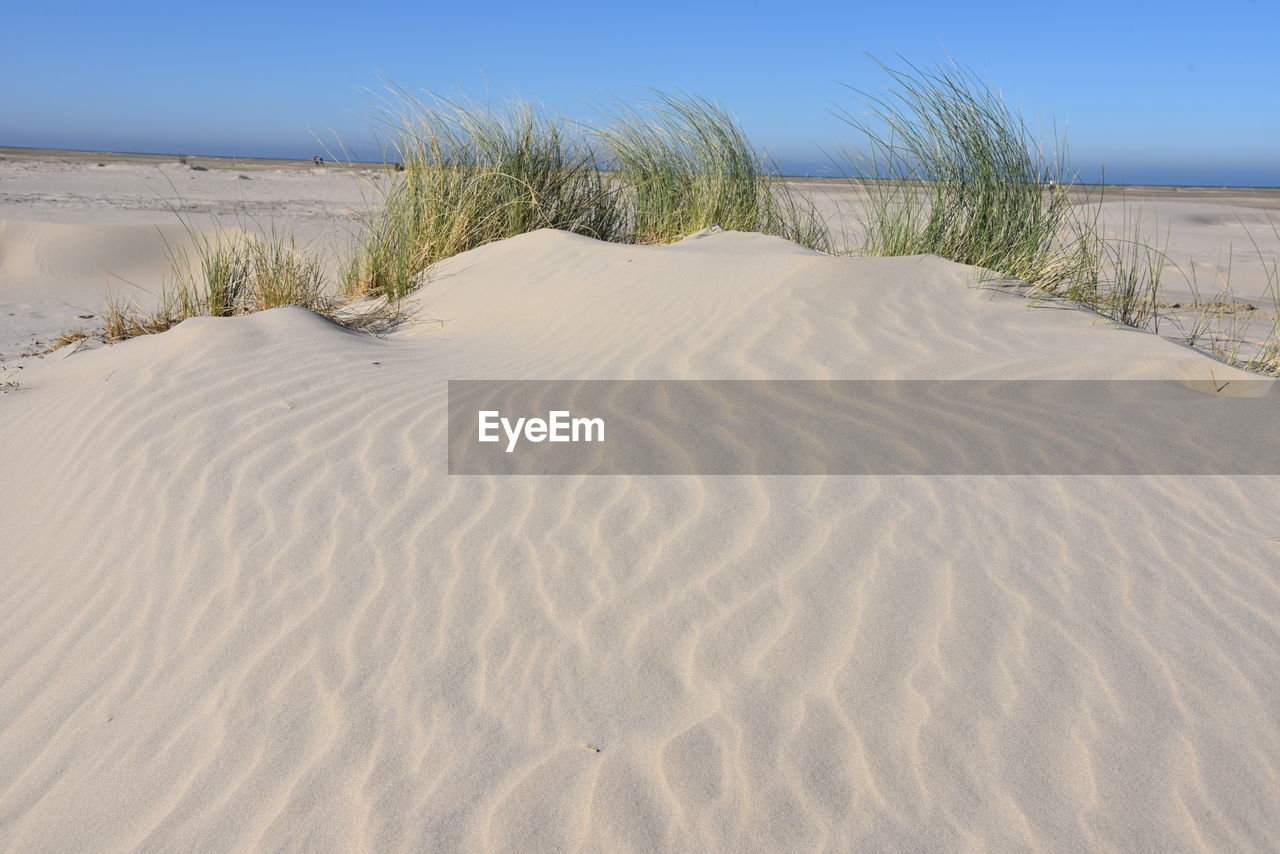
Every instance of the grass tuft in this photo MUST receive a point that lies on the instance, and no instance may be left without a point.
(1263, 355)
(951, 171)
(239, 272)
(685, 165)
(466, 175)
(469, 175)
(236, 273)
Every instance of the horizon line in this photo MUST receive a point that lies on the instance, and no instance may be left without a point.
(302, 160)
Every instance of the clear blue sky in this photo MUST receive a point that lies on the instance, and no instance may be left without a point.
(1159, 92)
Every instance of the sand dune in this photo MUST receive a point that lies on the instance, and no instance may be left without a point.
(246, 608)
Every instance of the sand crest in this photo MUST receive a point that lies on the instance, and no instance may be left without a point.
(246, 608)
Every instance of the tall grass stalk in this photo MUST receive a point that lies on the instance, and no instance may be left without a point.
(950, 170)
(685, 164)
(1120, 277)
(468, 174)
(240, 272)
(471, 175)
(1264, 353)
(233, 272)
(229, 271)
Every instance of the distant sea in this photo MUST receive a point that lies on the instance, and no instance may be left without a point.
(1191, 175)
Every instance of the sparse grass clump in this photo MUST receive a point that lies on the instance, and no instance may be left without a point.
(69, 337)
(1238, 332)
(1118, 277)
(951, 171)
(242, 272)
(1265, 355)
(684, 164)
(1266, 358)
(235, 273)
(123, 320)
(472, 175)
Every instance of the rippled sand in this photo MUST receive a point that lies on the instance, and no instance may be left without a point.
(244, 606)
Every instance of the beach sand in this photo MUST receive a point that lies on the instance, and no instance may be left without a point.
(245, 606)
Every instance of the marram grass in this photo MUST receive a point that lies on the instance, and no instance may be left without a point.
(236, 272)
(684, 164)
(951, 170)
(469, 175)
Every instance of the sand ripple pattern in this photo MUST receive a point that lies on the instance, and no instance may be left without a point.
(245, 608)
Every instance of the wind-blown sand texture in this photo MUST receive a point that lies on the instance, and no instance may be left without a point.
(246, 608)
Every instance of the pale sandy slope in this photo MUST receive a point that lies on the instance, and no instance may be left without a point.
(56, 277)
(244, 607)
